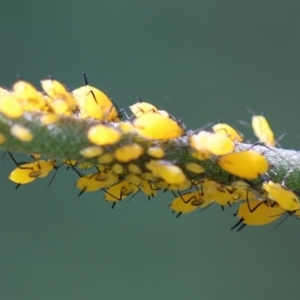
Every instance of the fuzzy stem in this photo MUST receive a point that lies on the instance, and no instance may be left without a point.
(65, 139)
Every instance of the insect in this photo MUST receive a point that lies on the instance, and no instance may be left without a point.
(215, 192)
(167, 171)
(187, 202)
(257, 213)
(156, 126)
(222, 128)
(60, 100)
(212, 143)
(93, 103)
(280, 194)
(28, 172)
(120, 191)
(246, 164)
(95, 181)
(263, 130)
(141, 107)
(31, 99)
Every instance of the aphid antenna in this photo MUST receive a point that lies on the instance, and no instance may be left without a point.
(177, 118)
(191, 132)
(134, 195)
(244, 123)
(281, 222)
(252, 112)
(262, 145)
(3, 156)
(51, 179)
(206, 207)
(280, 138)
(122, 111)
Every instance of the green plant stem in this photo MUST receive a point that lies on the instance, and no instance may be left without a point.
(68, 136)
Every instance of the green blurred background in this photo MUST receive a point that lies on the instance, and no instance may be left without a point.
(201, 60)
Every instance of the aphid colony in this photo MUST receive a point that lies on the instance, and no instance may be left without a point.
(126, 167)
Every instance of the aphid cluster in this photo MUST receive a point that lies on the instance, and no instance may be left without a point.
(126, 167)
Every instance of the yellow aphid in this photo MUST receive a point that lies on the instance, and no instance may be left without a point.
(11, 107)
(31, 99)
(241, 190)
(91, 151)
(96, 181)
(86, 166)
(201, 155)
(133, 178)
(280, 194)
(257, 213)
(133, 168)
(246, 194)
(106, 158)
(188, 202)
(165, 114)
(156, 152)
(23, 174)
(164, 185)
(183, 203)
(148, 176)
(126, 127)
(199, 140)
(215, 192)
(213, 143)
(222, 128)
(59, 106)
(2, 138)
(263, 131)
(246, 164)
(57, 91)
(28, 172)
(103, 135)
(94, 103)
(117, 169)
(45, 167)
(156, 126)
(165, 170)
(194, 168)
(120, 191)
(140, 108)
(127, 153)
(21, 133)
(50, 118)
(146, 186)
